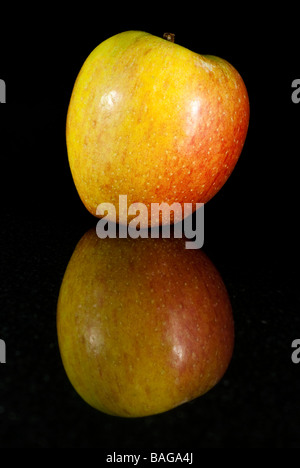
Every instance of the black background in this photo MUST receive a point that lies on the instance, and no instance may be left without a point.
(251, 234)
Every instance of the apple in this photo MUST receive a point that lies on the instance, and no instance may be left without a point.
(143, 325)
(154, 121)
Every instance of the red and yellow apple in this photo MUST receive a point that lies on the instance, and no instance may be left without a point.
(155, 121)
(143, 325)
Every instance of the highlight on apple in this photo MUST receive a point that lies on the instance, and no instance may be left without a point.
(192, 227)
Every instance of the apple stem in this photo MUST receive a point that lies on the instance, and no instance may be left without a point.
(169, 37)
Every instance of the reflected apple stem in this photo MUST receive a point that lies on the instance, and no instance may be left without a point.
(169, 37)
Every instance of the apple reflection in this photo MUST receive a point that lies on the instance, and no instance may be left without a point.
(143, 325)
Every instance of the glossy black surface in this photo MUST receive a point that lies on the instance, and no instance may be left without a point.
(250, 235)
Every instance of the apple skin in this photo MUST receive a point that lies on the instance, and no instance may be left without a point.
(155, 121)
(143, 325)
